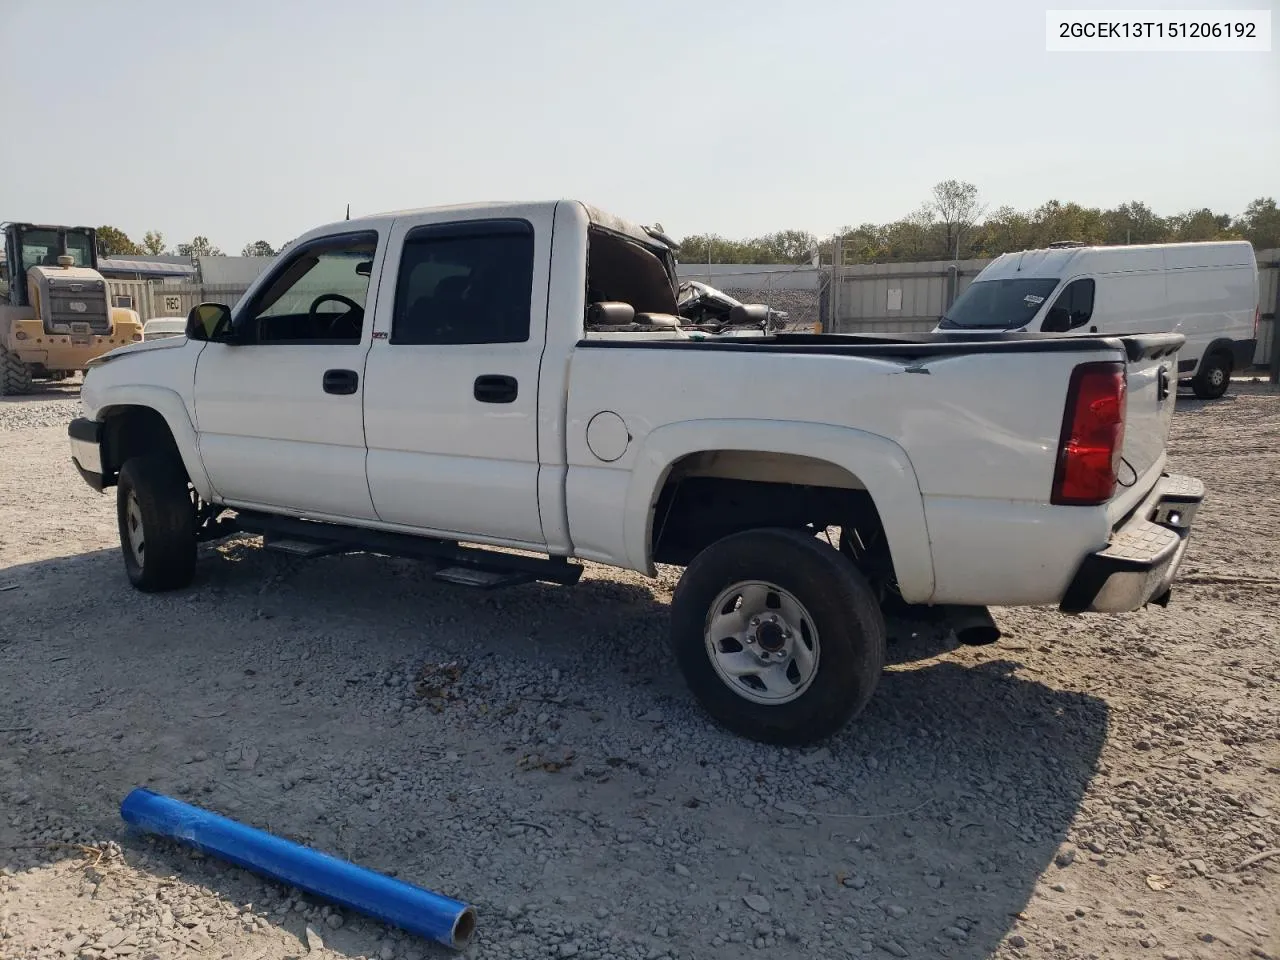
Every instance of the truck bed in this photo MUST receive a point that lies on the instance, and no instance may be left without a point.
(956, 444)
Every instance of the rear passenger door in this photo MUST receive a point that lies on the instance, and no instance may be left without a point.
(451, 382)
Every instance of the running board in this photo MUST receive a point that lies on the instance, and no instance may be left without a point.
(470, 566)
(484, 579)
(306, 549)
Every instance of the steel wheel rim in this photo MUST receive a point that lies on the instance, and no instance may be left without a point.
(133, 528)
(1216, 376)
(762, 642)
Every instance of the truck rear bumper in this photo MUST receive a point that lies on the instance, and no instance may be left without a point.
(1139, 564)
(86, 450)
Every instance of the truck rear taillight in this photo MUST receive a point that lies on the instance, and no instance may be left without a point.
(1257, 317)
(1092, 440)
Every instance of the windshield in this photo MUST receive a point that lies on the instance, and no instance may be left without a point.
(1003, 304)
(41, 248)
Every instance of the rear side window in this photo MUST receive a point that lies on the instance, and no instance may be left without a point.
(999, 304)
(1077, 300)
(466, 283)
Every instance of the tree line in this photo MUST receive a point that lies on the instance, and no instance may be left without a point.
(955, 224)
(114, 242)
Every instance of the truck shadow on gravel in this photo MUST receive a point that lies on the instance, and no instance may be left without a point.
(45, 391)
(353, 703)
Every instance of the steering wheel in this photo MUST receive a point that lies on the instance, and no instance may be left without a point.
(354, 309)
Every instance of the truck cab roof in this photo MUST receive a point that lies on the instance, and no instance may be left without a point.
(501, 209)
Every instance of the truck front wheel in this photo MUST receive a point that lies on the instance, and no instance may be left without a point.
(778, 636)
(157, 522)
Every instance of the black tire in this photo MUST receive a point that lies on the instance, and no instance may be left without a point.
(15, 376)
(166, 518)
(850, 632)
(1213, 378)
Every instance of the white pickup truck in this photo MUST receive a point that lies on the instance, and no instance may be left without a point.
(489, 388)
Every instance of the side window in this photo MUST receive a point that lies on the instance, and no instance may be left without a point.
(317, 295)
(465, 284)
(1077, 300)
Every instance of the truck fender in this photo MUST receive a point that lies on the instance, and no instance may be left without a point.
(169, 404)
(883, 467)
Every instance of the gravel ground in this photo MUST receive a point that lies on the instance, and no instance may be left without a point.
(1092, 787)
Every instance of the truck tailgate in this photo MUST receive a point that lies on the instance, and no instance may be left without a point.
(1151, 390)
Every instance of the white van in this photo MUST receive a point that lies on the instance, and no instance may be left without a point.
(1206, 291)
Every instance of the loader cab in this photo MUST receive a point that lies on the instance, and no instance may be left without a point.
(29, 245)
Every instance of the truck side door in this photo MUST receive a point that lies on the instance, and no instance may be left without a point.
(279, 412)
(451, 398)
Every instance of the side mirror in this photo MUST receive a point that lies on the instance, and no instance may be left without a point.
(364, 268)
(209, 322)
(1057, 320)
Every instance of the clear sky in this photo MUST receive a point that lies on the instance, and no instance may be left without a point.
(247, 120)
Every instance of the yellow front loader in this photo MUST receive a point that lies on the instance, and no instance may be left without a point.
(56, 313)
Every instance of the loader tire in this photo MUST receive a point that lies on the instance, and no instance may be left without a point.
(15, 376)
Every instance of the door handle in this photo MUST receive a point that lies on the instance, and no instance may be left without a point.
(494, 388)
(341, 382)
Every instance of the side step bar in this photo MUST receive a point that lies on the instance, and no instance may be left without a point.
(469, 566)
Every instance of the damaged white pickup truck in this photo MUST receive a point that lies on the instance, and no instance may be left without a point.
(452, 383)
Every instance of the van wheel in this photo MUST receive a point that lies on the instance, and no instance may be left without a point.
(778, 636)
(1213, 378)
(15, 376)
(157, 520)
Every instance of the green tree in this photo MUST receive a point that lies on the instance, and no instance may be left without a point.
(957, 208)
(1134, 223)
(198, 247)
(1054, 221)
(259, 248)
(1202, 224)
(1004, 230)
(1260, 224)
(153, 242)
(112, 241)
(863, 244)
(789, 246)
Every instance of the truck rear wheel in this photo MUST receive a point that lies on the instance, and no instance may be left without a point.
(778, 636)
(157, 520)
(1213, 377)
(15, 376)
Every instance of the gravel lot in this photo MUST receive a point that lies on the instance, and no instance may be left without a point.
(1090, 787)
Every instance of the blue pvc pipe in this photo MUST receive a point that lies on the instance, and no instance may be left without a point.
(404, 905)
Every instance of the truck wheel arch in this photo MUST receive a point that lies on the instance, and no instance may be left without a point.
(141, 419)
(875, 463)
